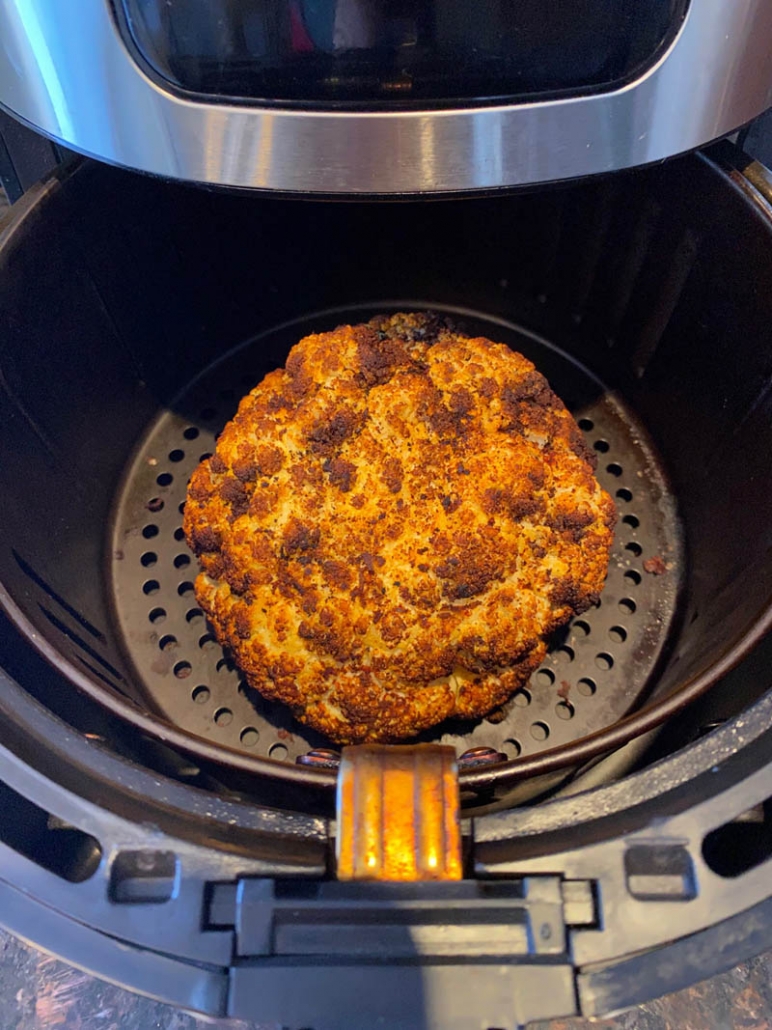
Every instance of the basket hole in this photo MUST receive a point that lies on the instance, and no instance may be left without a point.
(205, 456)
(182, 670)
(149, 531)
(191, 433)
(207, 642)
(634, 549)
(223, 716)
(564, 710)
(512, 748)
(522, 698)
(176, 454)
(632, 521)
(544, 678)
(586, 424)
(186, 587)
(539, 731)
(565, 654)
(586, 687)
(151, 586)
(613, 469)
(155, 504)
(193, 615)
(633, 577)
(278, 752)
(602, 446)
(604, 661)
(167, 642)
(624, 494)
(618, 634)
(156, 615)
(581, 628)
(249, 736)
(181, 507)
(179, 534)
(165, 479)
(627, 605)
(225, 665)
(201, 695)
(149, 558)
(181, 561)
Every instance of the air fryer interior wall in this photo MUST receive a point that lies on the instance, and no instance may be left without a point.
(118, 290)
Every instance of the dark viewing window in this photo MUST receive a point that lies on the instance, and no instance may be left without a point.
(366, 51)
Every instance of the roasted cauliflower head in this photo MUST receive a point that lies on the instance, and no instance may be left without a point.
(392, 525)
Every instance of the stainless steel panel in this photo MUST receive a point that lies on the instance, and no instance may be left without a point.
(65, 70)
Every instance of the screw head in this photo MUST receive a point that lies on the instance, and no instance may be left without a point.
(476, 756)
(320, 758)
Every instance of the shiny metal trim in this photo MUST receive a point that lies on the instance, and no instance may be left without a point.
(65, 70)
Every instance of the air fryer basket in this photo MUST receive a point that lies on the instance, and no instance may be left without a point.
(136, 314)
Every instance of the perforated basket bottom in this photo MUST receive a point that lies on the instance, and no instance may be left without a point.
(596, 671)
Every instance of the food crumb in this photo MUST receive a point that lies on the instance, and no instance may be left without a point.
(564, 689)
(655, 566)
(496, 716)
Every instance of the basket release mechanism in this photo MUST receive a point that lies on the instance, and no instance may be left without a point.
(398, 813)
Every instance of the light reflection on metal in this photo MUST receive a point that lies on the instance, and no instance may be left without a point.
(398, 813)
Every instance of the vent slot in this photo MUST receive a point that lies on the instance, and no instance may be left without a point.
(742, 844)
(45, 840)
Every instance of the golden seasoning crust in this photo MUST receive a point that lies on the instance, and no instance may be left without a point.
(392, 524)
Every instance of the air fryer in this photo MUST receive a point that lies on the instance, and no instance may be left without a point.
(167, 828)
(605, 836)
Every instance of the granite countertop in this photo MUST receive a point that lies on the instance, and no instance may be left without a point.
(38, 992)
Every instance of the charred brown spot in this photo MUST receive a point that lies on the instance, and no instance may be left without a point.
(466, 576)
(378, 356)
(306, 474)
(392, 475)
(242, 622)
(298, 536)
(246, 469)
(205, 538)
(261, 503)
(569, 593)
(232, 492)
(533, 388)
(502, 502)
(269, 460)
(200, 488)
(342, 473)
(579, 446)
(328, 436)
(338, 574)
(392, 628)
(570, 521)
(461, 401)
(278, 402)
(217, 465)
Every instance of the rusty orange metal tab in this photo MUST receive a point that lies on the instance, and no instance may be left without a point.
(398, 813)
